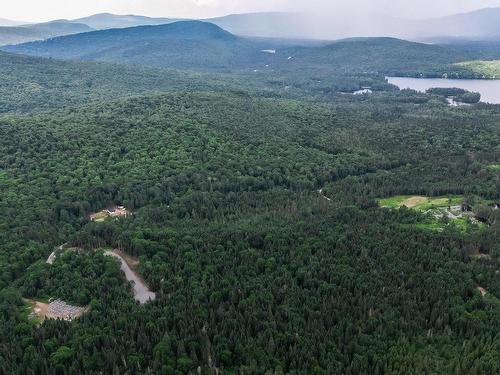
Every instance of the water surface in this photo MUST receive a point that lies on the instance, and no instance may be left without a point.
(489, 89)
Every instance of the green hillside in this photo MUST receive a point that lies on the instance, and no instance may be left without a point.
(28, 33)
(35, 84)
(284, 225)
(487, 69)
(202, 46)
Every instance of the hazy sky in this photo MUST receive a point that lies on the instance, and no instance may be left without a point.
(37, 10)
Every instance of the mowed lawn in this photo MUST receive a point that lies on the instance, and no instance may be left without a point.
(422, 203)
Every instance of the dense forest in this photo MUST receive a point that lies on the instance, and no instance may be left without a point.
(202, 46)
(255, 220)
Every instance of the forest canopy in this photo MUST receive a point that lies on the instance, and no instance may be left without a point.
(255, 218)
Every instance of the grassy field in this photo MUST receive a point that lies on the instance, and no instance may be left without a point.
(99, 216)
(439, 225)
(421, 203)
(437, 209)
(489, 69)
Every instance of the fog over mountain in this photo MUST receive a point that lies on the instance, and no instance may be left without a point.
(41, 31)
(482, 24)
(332, 24)
(5, 22)
(196, 9)
(424, 20)
(311, 25)
(110, 21)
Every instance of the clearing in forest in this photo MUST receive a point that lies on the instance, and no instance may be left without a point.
(116, 211)
(422, 203)
(130, 260)
(56, 309)
(414, 201)
(440, 210)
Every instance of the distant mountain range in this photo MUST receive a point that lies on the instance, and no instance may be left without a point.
(104, 21)
(41, 31)
(12, 32)
(479, 25)
(203, 46)
(483, 24)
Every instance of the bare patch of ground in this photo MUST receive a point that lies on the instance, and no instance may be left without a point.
(130, 260)
(55, 310)
(414, 201)
(116, 211)
(99, 216)
(38, 310)
(482, 291)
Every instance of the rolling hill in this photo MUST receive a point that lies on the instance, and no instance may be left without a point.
(103, 21)
(232, 234)
(384, 55)
(41, 31)
(202, 46)
(33, 84)
(478, 25)
(185, 44)
(285, 224)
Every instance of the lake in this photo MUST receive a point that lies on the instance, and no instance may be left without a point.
(489, 89)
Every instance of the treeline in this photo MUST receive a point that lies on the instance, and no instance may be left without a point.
(459, 95)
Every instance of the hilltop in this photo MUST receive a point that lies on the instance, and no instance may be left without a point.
(184, 44)
(113, 21)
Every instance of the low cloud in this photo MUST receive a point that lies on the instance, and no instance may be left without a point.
(50, 9)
